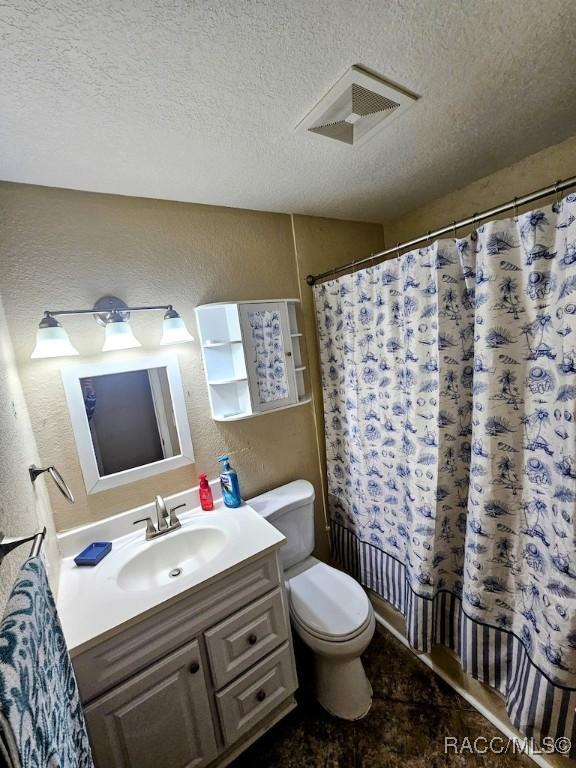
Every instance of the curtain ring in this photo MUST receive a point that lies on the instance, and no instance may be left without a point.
(515, 209)
(428, 239)
(558, 195)
(353, 268)
(398, 249)
(454, 229)
(475, 220)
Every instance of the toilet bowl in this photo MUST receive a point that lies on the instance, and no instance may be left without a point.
(333, 617)
(329, 610)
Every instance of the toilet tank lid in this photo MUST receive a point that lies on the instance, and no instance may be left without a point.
(276, 502)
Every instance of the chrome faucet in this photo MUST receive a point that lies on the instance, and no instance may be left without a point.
(166, 520)
(161, 515)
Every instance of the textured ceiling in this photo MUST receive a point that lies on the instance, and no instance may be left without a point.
(196, 100)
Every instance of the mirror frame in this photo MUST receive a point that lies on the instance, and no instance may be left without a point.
(93, 480)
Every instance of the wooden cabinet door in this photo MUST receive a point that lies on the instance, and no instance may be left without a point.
(158, 719)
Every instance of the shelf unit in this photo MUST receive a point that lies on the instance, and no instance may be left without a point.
(231, 352)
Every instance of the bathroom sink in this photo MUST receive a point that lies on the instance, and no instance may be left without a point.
(166, 560)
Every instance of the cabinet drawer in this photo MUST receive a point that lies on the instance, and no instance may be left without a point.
(239, 642)
(257, 693)
(108, 663)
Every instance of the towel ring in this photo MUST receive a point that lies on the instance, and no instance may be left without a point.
(56, 476)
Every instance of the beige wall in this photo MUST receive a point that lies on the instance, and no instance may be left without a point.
(24, 508)
(535, 171)
(63, 249)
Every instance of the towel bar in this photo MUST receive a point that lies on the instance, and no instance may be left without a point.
(7, 545)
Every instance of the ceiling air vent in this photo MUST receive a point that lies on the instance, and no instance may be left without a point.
(355, 107)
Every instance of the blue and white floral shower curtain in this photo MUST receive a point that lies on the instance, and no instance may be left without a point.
(449, 380)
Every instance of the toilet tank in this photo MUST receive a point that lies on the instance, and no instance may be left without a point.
(290, 508)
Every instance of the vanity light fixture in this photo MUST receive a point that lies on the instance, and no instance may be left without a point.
(118, 334)
(114, 314)
(174, 330)
(52, 340)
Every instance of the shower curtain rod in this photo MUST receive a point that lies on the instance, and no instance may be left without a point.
(559, 186)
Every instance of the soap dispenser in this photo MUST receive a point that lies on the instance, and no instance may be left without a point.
(229, 483)
(205, 494)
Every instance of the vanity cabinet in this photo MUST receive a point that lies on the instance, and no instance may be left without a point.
(197, 681)
(253, 357)
(161, 717)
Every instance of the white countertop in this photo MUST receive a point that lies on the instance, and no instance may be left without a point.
(93, 606)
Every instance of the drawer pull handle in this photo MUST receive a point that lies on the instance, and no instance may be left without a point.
(261, 695)
(194, 667)
(252, 639)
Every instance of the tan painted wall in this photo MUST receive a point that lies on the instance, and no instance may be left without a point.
(535, 171)
(63, 249)
(24, 508)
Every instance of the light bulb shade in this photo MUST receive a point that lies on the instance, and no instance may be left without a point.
(174, 331)
(118, 335)
(53, 341)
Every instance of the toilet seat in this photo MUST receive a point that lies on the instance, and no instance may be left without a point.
(328, 604)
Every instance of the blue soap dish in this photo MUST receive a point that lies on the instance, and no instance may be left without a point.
(93, 553)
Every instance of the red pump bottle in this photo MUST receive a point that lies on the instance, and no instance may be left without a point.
(205, 493)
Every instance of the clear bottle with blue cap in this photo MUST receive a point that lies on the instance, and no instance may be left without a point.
(229, 484)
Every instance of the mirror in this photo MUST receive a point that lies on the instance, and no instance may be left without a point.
(129, 419)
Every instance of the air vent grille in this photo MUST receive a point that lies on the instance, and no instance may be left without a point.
(342, 131)
(358, 104)
(365, 102)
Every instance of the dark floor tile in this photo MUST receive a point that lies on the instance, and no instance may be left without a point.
(396, 673)
(396, 734)
(412, 713)
(307, 738)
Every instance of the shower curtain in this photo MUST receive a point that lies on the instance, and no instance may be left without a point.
(449, 383)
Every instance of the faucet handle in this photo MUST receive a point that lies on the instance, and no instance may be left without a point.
(150, 530)
(174, 522)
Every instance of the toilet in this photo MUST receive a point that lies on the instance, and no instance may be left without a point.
(329, 610)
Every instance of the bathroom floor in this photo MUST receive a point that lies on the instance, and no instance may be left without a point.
(413, 710)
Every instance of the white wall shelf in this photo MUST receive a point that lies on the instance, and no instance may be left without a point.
(242, 416)
(231, 380)
(213, 344)
(253, 358)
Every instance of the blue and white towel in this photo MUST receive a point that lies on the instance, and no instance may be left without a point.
(41, 719)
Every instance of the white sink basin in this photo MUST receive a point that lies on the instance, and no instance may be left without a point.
(134, 579)
(166, 560)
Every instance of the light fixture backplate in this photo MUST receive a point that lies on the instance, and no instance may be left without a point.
(108, 306)
(355, 107)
